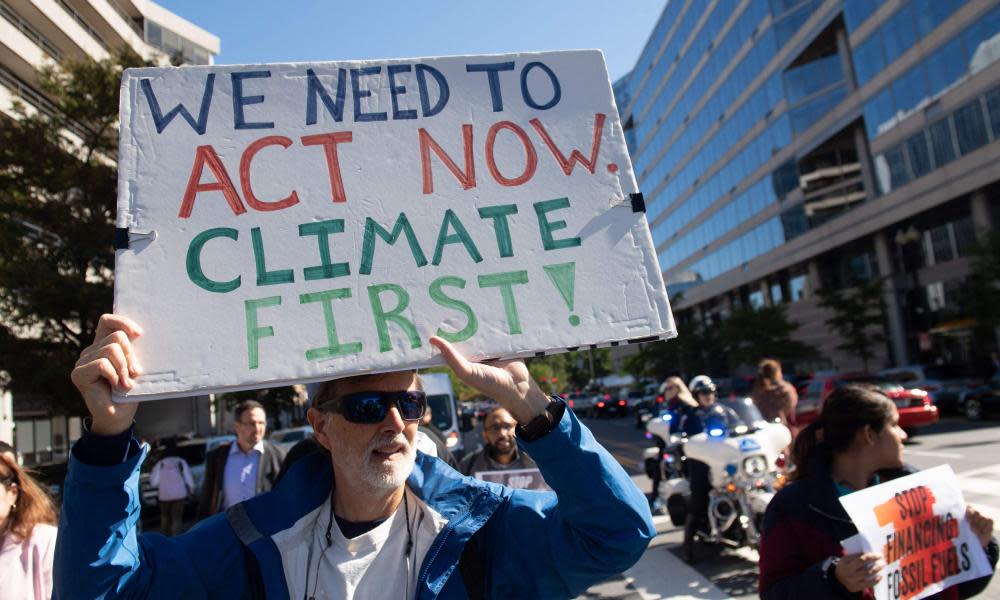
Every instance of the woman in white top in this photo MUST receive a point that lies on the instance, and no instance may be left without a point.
(27, 534)
(171, 476)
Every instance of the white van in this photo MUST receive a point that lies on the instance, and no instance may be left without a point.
(443, 404)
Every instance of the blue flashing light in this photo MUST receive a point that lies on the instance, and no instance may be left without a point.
(667, 417)
(716, 432)
(648, 435)
(731, 469)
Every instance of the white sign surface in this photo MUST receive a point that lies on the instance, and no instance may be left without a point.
(518, 479)
(295, 222)
(918, 523)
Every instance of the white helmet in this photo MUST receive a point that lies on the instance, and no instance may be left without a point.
(701, 383)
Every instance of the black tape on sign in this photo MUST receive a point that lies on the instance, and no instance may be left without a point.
(121, 238)
(638, 202)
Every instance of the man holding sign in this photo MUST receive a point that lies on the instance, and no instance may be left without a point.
(409, 522)
(315, 222)
(855, 445)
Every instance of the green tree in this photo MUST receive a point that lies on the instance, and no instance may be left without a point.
(58, 182)
(683, 355)
(983, 283)
(749, 335)
(858, 317)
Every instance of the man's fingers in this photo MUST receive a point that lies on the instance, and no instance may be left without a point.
(112, 322)
(458, 363)
(121, 339)
(93, 372)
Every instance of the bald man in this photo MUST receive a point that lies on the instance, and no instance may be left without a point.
(500, 452)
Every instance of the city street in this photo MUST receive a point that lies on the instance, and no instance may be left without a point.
(971, 449)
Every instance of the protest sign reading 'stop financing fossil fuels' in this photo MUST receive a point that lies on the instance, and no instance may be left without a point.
(294, 222)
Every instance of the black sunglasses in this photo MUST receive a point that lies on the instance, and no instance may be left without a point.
(371, 407)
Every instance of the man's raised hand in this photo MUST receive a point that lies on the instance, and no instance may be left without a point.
(507, 382)
(108, 362)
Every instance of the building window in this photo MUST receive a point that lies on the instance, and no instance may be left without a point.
(935, 296)
(756, 299)
(941, 143)
(993, 108)
(797, 288)
(857, 12)
(920, 156)
(970, 127)
(898, 172)
(777, 296)
(938, 245)
(965, 236)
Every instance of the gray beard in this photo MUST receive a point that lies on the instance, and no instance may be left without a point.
(382, 478)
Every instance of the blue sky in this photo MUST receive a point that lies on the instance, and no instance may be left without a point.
(255, 31)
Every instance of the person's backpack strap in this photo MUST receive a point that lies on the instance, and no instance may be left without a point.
(247, 533)
(473, 569)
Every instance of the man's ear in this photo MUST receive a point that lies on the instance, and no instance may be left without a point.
(868, 435)
(318, 420)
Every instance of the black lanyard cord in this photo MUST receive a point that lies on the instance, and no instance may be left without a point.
(329, 542)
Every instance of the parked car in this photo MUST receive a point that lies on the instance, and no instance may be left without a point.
(915, 406)
(286, 438)
(983, 400)
(580, 402)
(608, 405)
(194, 451)
(944, 383)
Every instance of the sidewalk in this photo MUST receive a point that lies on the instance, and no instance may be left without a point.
(658, 574)
(661, 574)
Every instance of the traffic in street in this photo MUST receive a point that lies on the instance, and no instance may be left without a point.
(969, 447)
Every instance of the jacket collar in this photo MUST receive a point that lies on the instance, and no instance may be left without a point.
(465, 502)
(821, 492)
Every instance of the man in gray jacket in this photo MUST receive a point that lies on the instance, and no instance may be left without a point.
(500, 452)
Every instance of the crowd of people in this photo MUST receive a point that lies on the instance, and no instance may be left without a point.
(357, 497)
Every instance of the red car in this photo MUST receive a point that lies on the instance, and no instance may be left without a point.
(916, 409)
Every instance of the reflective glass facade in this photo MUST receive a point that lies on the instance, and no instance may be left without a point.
(752, 123)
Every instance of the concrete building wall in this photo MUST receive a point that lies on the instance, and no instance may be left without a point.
(35, 34)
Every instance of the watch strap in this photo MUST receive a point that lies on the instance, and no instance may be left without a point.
(544, 423)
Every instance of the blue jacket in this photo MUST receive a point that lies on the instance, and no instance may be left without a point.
(595, 524)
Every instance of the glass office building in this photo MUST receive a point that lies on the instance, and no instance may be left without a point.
(788, 145)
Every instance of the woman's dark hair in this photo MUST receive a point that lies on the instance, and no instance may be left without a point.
(846, 411)
(767, 374)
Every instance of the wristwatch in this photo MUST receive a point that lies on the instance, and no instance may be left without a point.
(538, 427)
(830, 568)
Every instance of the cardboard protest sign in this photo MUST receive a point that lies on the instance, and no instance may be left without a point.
(295, 222)
(918, 523)
(519, 479)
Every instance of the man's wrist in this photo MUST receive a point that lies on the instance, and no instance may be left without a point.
(545, 422)
(107, 428)
(534, 404)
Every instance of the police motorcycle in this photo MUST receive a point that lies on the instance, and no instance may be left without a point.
(746, 461)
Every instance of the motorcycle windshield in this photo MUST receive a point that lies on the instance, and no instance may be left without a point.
(735, 416)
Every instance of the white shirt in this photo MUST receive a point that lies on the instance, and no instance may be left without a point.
(371, 566)
(171, 476)
(239, 478)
